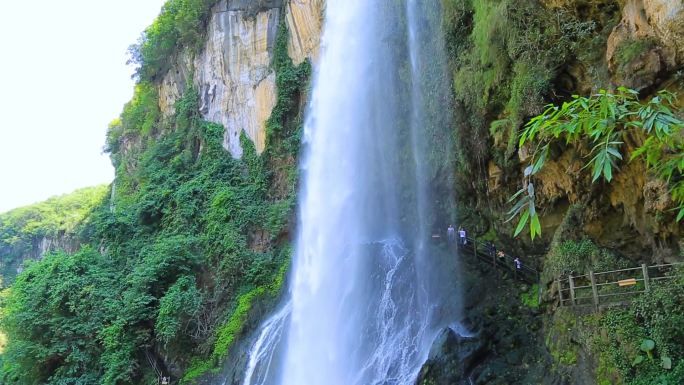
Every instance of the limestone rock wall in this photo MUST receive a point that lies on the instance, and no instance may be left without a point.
(34, 250)
(305, 19)
(667, 20)
(659, 26)
(233, 73)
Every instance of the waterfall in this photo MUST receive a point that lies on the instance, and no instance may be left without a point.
(370, 288)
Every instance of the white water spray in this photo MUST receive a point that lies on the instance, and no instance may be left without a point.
(262, 352)
(369, 291)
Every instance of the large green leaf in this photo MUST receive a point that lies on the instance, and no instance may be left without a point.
(666, 362)
(647, 345)
(535, 226)
(523, 221)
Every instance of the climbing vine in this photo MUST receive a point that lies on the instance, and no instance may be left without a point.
(597, 126)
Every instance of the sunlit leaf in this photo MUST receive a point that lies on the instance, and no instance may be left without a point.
(535, 226)
(521, 224)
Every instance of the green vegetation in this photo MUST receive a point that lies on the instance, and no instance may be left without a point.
(141, 114)
(642, 345)
(181, 24)
(635, 345)
(597, 126)
(580, 257)
(530, 298)
(505, 54)
(190, 242)
(58, 217)
(561, 340)
(231, 329)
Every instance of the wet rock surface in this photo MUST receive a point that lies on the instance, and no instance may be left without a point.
(506, 340)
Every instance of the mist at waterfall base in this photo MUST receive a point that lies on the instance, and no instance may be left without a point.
(370, 288)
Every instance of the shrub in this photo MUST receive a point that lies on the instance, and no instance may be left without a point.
(181, 24)
(579, 257)
(643, 344)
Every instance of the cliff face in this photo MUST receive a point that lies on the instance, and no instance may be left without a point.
(29, 233)
(13, 257)
(660, 24)
(509, 59)
(544, 52)
(233, 73)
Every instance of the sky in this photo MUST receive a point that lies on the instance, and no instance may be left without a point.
(63, 78)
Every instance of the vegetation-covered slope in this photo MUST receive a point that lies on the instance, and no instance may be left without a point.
(190, 242)
(28, 232)
(510, 58)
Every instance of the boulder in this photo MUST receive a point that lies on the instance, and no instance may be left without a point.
(452, 359)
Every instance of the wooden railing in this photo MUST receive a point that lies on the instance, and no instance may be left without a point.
(482, 252)
(612, 287)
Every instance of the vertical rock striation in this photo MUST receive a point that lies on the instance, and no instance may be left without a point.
(233, 73)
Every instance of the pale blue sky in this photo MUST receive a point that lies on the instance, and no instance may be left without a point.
(63, 78)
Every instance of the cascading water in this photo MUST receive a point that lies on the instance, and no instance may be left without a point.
(370, 289)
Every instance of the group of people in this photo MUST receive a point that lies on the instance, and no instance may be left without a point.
(462, 236)
(491, 248)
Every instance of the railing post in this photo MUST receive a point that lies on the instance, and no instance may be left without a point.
(647, 284)
(572, 290)
(539, 298)
(594, 290)
(560, 291)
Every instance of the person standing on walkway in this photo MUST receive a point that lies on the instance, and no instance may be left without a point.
(518, 266)
(451, 234)
(491, 249)
(462, 235)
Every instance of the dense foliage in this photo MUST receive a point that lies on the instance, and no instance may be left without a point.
(192, 240)
(505, 56)
(643, 344)
(600, 123)
(58, 217)
(181, 24)
(579, 257)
